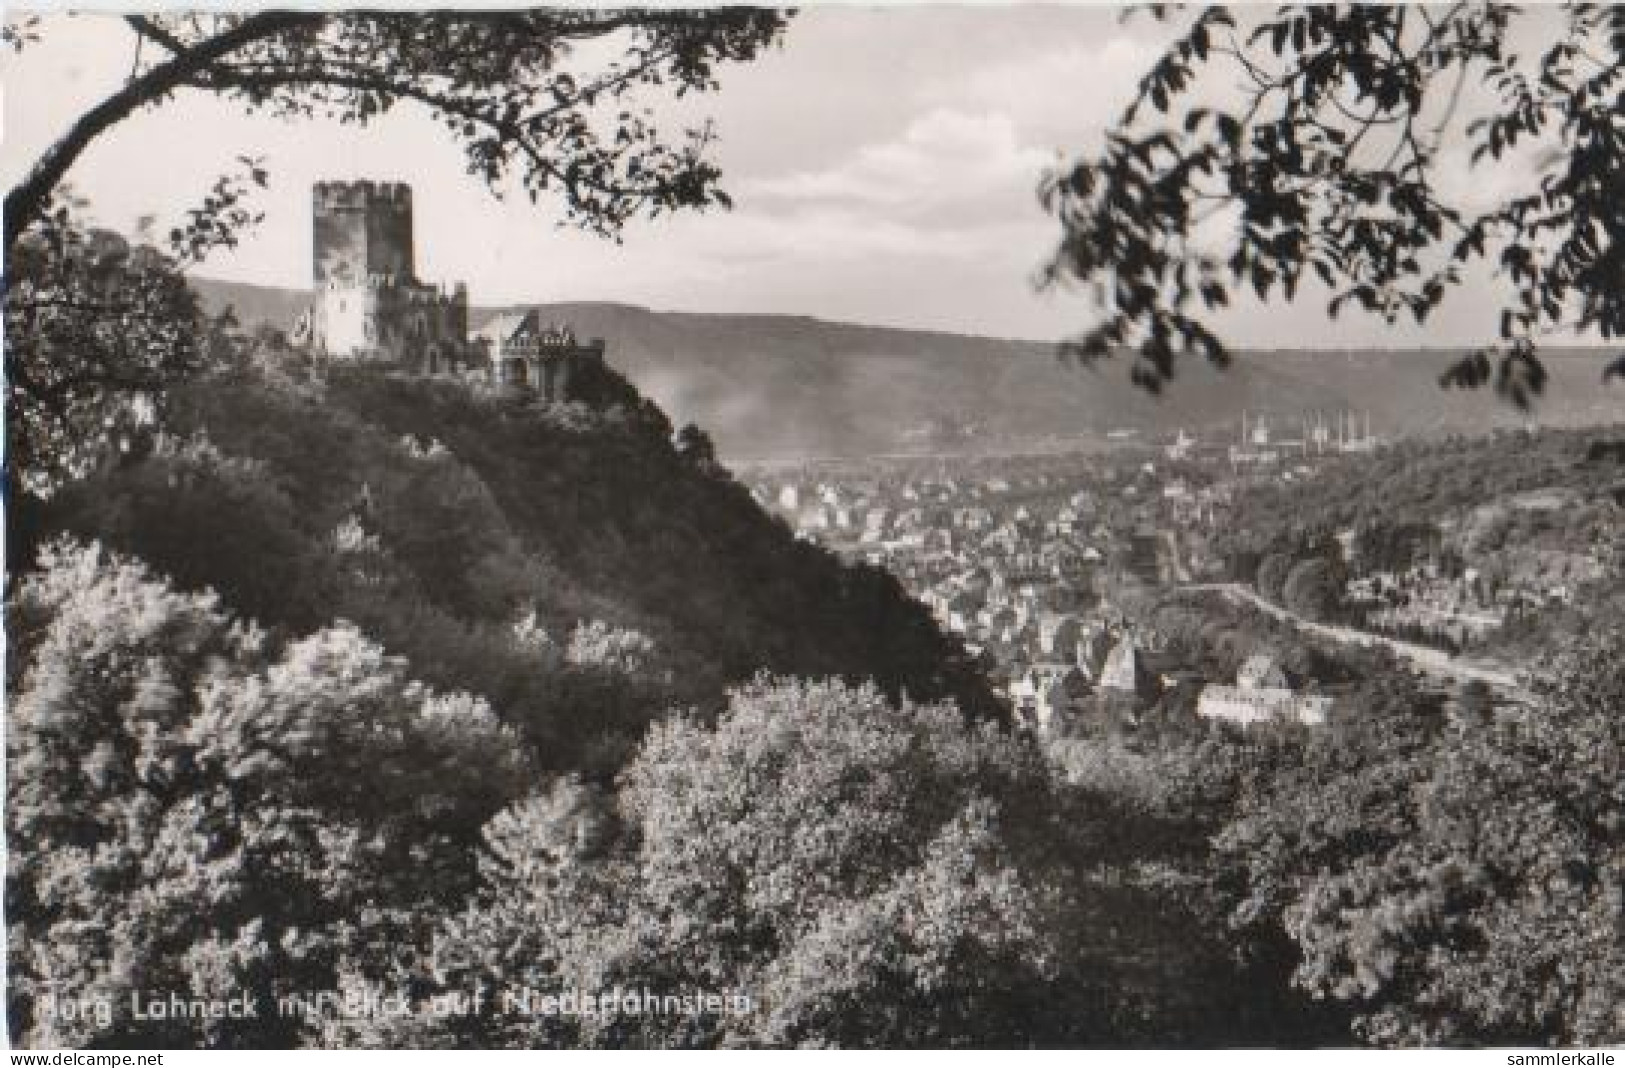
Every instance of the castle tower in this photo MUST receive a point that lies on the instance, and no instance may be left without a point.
(361, 259)
(361, 230)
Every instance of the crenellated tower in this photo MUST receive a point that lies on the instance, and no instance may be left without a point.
(362, 230)
(369, 303)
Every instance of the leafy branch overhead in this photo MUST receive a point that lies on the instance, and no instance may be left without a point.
(1324, 145)
(550, 97)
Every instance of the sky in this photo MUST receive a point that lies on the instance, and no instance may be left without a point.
(883, 161)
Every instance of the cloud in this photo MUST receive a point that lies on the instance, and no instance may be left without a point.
(941, 158)
(1062, 98)
(948, 193)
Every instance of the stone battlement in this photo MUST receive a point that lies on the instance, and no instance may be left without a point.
(437, 298)
(407, 290)
(362, 195)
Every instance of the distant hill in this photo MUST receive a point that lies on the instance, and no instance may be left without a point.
(780, 386)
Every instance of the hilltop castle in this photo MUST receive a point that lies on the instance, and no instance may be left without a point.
(370, 305)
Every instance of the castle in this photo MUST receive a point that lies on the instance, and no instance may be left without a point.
(370, 305)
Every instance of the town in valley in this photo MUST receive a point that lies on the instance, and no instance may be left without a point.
(1057, 571)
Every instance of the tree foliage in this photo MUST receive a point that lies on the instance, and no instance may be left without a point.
(865, 873)
(437, 518)
(193, 810)
(97, 330)
(1456, 882)
(835, 859)
(1314, 589)
(1273, 570)
(696, 446)
(1395, 545)
(1331, 165)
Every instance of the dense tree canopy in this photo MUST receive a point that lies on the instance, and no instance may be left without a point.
(1313, 588)
(192, 809)
(847, 864)
(481, 536)
(1269, 149)
(555, 780)
(1457, 880)
(865, 873)
(97, 330)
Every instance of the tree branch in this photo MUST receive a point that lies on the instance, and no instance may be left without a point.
(514, 130)
(28, 198)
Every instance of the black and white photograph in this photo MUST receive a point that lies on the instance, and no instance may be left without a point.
(1019, 526)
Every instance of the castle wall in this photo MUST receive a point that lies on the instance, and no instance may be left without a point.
(389, 236)
(339, 247)
(369, 304)
(346, 318)
(433, 329)
(416, 326)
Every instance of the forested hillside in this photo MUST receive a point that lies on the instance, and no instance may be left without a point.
(479, 536)
(347, 707)
(1523, 528)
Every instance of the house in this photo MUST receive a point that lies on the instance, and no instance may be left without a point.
(1047, 695)
(1125, 670)
(1262, 694)
(1246, 706)
(1093, 648)
(1058, 632)
(1261, 672)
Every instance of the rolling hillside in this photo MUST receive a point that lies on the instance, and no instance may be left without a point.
(776, 386)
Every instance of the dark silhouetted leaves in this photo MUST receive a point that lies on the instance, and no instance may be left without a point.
(1331, 163)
